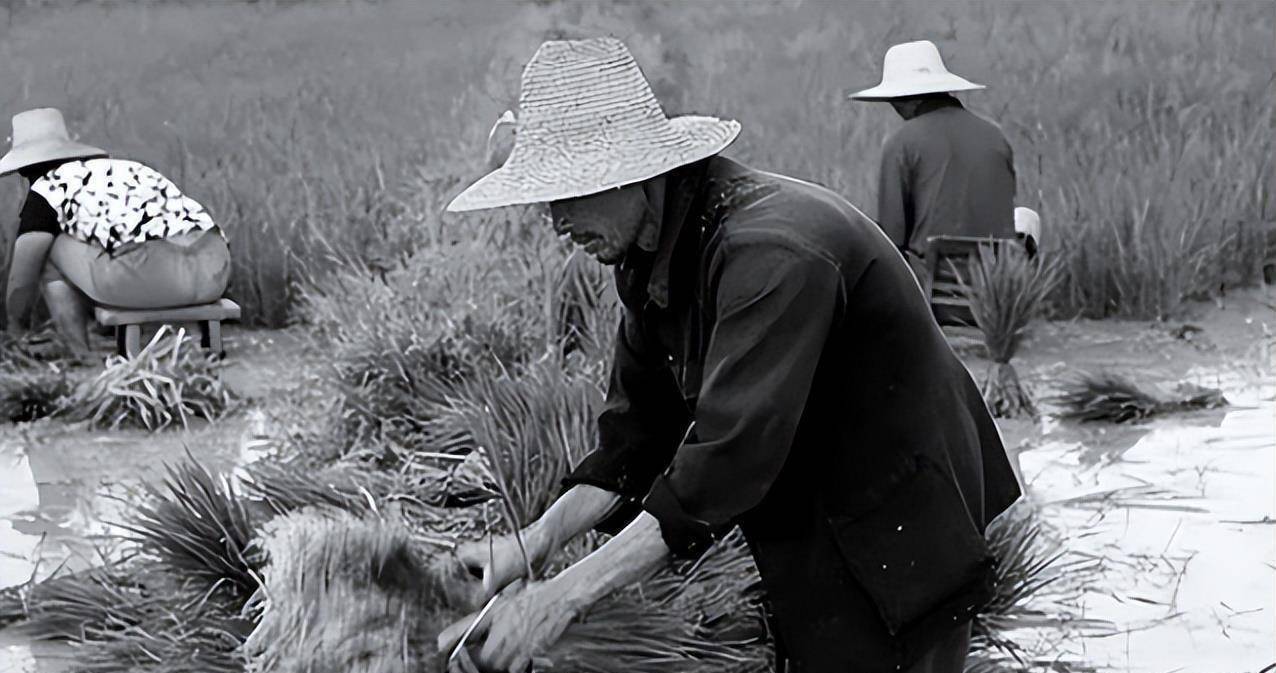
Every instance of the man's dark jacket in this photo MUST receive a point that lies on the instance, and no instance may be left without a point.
(778, 368)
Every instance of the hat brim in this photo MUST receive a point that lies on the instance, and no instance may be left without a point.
(38, 152)
(572, 172)
(892, 90)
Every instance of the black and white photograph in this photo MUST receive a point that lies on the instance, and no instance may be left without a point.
(638, 336)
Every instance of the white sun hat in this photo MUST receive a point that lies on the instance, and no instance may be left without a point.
(588, 122)
(40, 135)
(913, 69)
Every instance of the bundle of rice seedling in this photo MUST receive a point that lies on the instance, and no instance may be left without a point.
(403, 340)
(530, 428)
(1109, 396)
(199, 529)
(1006, 291)
(169, 381)
(1037, 583)
(133, 618)
(28, 394)
(352, 487)
(347, 594)
(352, 594)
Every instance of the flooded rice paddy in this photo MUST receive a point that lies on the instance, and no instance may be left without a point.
(1176, 516)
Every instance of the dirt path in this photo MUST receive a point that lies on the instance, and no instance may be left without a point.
(1174, 509)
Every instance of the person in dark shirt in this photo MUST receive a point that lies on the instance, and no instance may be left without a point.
(775, 369)
(946, 171)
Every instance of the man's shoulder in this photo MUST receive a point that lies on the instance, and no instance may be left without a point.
(800, 216)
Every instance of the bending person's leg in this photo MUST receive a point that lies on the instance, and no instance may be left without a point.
(70, 309)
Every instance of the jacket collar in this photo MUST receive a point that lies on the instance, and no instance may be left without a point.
(683, 188)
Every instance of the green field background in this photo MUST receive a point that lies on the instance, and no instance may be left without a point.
(1143, 131)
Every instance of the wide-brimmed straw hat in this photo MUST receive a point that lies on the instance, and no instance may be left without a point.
(588, 122)
(913, 69)
(40, 135)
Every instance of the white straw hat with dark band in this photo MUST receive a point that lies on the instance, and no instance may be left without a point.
(588, 122)
(40, 135)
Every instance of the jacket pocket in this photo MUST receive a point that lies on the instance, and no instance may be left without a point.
(918, 554)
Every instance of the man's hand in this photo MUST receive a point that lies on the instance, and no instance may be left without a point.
(498, 561)
(524, 622)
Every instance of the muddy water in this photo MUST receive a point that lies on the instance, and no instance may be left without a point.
(1183, 526)
(64, 489)
(63, 493)
(1177, 511)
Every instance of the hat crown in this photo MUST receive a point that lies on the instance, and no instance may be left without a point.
(588, 121)
(913, 59)
(582, 93)
(39, 124)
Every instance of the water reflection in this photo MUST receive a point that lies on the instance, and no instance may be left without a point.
(64, 490)
(1181, 522)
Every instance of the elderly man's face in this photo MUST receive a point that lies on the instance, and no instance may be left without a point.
(604, 224)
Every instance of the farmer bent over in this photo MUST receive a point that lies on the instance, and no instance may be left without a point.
(97, 230)
(946, 171)
(775, 369)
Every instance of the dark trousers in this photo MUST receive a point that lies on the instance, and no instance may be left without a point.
(948, 656)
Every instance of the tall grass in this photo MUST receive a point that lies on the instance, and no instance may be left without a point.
(1143, 132)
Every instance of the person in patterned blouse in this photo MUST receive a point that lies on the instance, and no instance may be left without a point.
(95, 230)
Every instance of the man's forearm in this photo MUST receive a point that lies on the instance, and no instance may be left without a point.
(631, 556)
(578, 510)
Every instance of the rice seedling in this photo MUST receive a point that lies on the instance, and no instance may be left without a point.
(347, 593)
(1036, 590)
(1112, 397)
(529, 429)
(400, 346)
(29, 394)
(1006, 291)
(133, 617)
(200, 529)
(169, 382)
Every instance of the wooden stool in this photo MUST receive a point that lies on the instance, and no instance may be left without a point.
(943, 289)
(128, 323)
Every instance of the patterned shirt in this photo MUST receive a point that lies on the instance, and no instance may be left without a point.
(111, 202)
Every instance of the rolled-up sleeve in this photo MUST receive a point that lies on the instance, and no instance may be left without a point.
(643, 420)
(776, 305)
